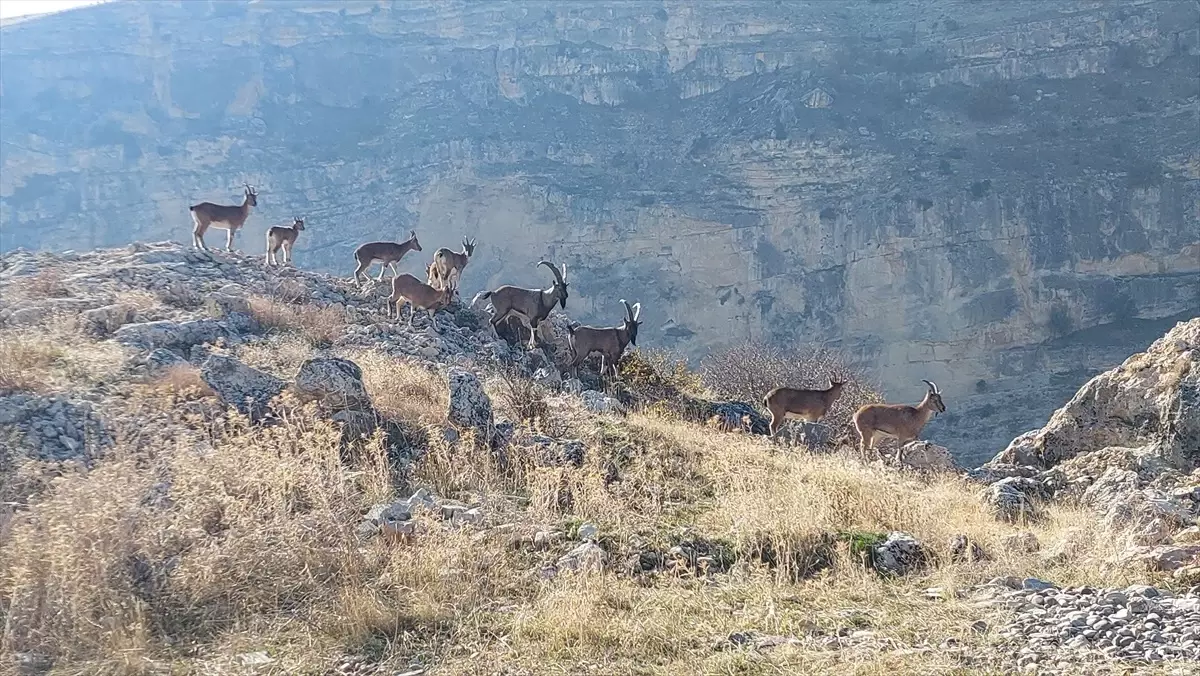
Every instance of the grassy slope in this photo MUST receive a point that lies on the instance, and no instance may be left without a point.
(199, 538)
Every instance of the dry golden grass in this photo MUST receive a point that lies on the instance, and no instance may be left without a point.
(45, 283)
(251, 546)
(54, 357)
(402, 390)
(319, 325)
(176, 384)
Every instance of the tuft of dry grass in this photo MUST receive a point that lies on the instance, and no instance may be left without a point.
(45, 283)
(519, 398)
(320, 325)
(180, 380)
(53, 358)
(402, 390)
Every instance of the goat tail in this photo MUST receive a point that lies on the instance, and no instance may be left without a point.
(482, 295)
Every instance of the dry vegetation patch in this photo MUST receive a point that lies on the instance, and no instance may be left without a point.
(320, 325)
(54, 357)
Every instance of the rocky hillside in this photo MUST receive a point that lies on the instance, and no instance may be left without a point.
(209, 466)
(1001, 198)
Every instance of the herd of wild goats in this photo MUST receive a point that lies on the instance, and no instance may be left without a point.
(532, 306)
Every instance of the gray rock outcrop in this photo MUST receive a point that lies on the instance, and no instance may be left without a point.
(243, 387)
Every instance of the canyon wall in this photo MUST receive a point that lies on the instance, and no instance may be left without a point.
(1000, 197)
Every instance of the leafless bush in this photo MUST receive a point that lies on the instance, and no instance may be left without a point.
(749, 370)
(523, 397)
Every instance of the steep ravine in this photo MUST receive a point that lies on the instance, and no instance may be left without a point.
(1000, 197)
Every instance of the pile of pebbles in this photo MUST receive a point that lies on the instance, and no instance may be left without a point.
(50, 427)
(1084, 624)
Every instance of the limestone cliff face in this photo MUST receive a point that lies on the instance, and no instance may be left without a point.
(1000, 197)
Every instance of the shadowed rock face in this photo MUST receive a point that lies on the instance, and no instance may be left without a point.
(1000, 197)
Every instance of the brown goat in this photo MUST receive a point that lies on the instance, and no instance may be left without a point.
(408, 290)
(610, 341)
(387, 253)
(207, 215)
(529, 306)
(807, 405)
(283, 237)
(450, 264)
(901, 421)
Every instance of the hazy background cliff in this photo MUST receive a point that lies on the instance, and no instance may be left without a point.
(1002, 197)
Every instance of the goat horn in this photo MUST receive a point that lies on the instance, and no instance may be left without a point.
(628, 310)
(932, 386)
(553, 269)
(637, 310)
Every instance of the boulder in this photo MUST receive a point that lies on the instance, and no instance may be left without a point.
(336, 384)
(598, 402)
(245, 388)
(925, 456)
(161, 359)
(170, 334)
(220, 305)
(1009, 500)
(588, 557)
(1151, 515)
(1162, 558)
(104, 320)
(734, 415)
(899, 554)
(1153, 394)
(470, 408)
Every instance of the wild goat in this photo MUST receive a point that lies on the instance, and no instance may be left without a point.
(408, 290)
(530, 306)
(207, 215)
(610, 342)
(807, 405)
(387, 253)
(901, 421)
(449, 264)
(283, 237)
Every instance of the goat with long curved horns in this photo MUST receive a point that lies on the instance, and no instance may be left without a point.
(530, 306)
(610, 341)
(900, 421)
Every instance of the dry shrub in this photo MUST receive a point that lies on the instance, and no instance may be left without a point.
(24, 362)
(522, 398)
(180, 380)
(54, 357)
(749, 371)
(402, 390)
(45, 283)
(320, 325)
(658, 375)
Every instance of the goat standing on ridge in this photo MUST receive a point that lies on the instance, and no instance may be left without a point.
(610, 342)
(408, 290)
(807, 405)
(283, 237)
(207, 215)
(448, 265)
(530, 306)
(387, 253)
(901, 421)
